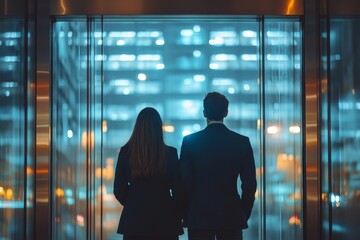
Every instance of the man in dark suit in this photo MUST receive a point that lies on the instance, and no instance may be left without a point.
(211, 161)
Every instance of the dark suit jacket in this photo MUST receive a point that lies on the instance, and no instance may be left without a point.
(211, 161)
(150, 204)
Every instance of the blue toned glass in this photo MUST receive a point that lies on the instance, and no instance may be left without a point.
(16, 129)
(107, 69)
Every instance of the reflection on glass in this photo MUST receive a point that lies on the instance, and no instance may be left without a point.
(341, 192)
(326, 209)
(70, 137)
(283, 136)
(170, 65)
(16, 131)
(108, 69)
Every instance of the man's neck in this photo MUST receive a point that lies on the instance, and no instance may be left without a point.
(213, 121)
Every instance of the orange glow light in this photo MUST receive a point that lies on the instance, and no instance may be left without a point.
(63, 6)
(80, 220)
(9, 194)
(104, 125)
(59, 192)
(29, 171)
(290, 6)
(85, 139)
(294, 220)
(42, 171)
(168, 128)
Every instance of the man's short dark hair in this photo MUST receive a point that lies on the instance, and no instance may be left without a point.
(215, 106)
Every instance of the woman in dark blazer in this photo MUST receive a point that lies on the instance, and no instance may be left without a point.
(147, 179)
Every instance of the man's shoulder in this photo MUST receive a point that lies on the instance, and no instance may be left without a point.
(238, 135)
(195, 134)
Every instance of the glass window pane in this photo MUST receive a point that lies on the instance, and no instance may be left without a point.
(283, 136)
(16, 129)
(171, 64)
(325, 165)
(69, 133)
(343, 196)
(107, 69)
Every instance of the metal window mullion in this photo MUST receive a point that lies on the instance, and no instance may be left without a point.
(25, 124)
(263, 118)
(101, 121)
(88, 132)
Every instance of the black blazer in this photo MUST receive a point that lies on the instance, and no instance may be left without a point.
(150, 204)
(211, 161)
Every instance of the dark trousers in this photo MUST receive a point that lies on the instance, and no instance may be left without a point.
(205, 234)
(131, 237)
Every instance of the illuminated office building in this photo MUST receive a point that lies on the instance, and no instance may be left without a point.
(74, 75)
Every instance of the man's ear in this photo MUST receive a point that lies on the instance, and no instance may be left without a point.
(204, 113)
(226, 113)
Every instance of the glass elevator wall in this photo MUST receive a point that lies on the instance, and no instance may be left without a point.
(106, 69)
(282, 129)
(340, 133)
(17, 114)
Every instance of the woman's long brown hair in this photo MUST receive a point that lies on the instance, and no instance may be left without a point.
(147, 147)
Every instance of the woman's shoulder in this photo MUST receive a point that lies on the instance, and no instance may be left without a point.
(172, 153)
(124, 149)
